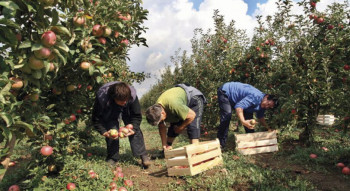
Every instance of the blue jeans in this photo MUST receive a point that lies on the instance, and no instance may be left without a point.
(225, 117)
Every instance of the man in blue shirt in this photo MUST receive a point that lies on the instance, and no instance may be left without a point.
(246, 100)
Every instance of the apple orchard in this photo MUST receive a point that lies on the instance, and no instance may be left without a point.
(304, 59)
(57, 53)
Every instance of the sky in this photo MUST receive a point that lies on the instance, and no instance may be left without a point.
(171, 25)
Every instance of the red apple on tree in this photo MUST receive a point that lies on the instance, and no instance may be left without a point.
(14, 188)
(107, 31)
(42, 53)
(97, 30)
(78, 21)
(313, 4)
(330, 27)
(102, 40)
(46, 150)
(320, 20)
(72, 118)
(85, 65)
(346, 67)
(48, 38)
(294, 111)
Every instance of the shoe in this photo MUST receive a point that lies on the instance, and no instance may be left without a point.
(111, 162)
(146, 162)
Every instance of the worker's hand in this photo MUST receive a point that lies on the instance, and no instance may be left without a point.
(248, 124)
(106, 134)
(167, 147)
(131, 132)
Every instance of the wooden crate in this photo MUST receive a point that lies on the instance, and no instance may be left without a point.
(254, 143)
(193, 159)
(325, 119)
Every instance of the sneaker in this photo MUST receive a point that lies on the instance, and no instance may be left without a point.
(111, 162)
(146, 162)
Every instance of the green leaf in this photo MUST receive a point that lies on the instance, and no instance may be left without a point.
(50, 106)
(98, 79)
(55, 17)
(62, 46)
(6, 88)
(9, 23)
(10, 37)
(61, 30)
(25, 44)
(7, 118)
(57, 52)
(3, 152)
(9, 4)
(37, 46)
(2, 99)
(91, 70)
(29, 128)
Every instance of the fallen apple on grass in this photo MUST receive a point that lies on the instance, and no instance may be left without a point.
(346, 171)
(128, 183)
(313, 156)
(71, 186)
(340, 165)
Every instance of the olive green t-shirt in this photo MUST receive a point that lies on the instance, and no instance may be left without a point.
(174, 101)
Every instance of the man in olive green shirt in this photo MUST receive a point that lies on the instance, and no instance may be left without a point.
(181, 106)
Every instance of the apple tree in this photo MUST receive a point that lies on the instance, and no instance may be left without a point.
(55, 55)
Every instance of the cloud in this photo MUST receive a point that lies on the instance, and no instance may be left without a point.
(171, 25)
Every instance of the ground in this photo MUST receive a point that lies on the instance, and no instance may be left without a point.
(155, 178)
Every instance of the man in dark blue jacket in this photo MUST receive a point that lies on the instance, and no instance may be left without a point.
(116, 100)
(246, 100)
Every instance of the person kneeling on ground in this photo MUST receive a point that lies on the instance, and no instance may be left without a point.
(114, 100)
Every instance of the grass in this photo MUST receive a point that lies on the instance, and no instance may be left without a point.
(236, 174)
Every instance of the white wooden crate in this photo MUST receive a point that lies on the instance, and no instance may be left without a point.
(193, 159)
(254, 143)
(325, 119)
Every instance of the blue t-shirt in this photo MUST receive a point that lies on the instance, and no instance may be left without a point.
(245, 96)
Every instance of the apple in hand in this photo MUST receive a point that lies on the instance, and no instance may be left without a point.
(252, 122)
(129, 126)
(113, 133)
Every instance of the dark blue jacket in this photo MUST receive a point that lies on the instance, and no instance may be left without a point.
(106, 113)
